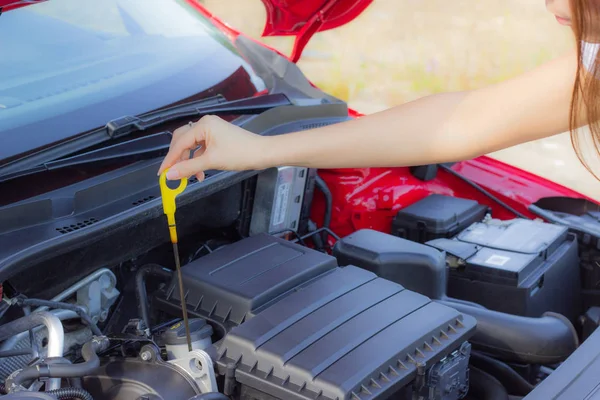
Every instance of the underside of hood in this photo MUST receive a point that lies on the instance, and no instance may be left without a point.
(304, 18)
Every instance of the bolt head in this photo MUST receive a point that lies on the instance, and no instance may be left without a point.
(146, 356)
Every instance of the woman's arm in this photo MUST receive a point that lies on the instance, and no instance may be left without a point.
(443, 127)
(438, 128)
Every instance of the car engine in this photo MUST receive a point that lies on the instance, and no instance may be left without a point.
(273, 319)
(414, 314)
(297, 326)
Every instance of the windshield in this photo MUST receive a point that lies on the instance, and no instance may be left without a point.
(69, 66)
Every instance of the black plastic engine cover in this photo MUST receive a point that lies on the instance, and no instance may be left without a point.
(232, 284)
(347, 335)
(300, 327)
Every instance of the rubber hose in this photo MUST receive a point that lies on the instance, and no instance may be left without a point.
(89, 353)
(485, 387)
(64, 306)
(463, 302)
(210, 396)
(545, 340)
(140, 287)
(318, 240)
(328, 204)
(70, 393)
(505, 374)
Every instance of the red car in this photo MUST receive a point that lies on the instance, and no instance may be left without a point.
(470, 280)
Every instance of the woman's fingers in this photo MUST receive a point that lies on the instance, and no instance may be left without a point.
(198, 153)
(179, 132)
(211, 143)
(187, 168)
(182, 144)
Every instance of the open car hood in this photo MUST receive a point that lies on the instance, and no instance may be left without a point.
(304, 18)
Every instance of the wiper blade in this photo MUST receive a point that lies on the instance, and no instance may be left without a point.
(127, 125)
(143, 148)
(252, 105)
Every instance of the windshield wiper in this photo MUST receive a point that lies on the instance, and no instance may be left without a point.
(139, 149)
(127, 125)
(252, 105)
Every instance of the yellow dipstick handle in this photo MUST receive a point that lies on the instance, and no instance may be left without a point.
(169, 206)
(168, 201)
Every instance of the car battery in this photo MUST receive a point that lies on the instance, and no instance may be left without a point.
(436, 216)
(520, 267)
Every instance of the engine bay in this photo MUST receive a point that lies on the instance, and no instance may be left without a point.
(451, 302)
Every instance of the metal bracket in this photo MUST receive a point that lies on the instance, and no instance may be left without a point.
(199, 366)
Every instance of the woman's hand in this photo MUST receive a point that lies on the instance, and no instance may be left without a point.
(217, 144)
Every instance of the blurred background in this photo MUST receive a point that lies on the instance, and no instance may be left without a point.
(400, 50)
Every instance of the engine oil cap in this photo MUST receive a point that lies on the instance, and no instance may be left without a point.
(199, 330)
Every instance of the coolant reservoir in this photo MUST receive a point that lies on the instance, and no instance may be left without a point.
(175, 339)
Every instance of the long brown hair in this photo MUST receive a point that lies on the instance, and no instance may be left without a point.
(586, 90)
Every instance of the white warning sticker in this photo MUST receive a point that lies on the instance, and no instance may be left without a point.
(281, 203)
(498, 260)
